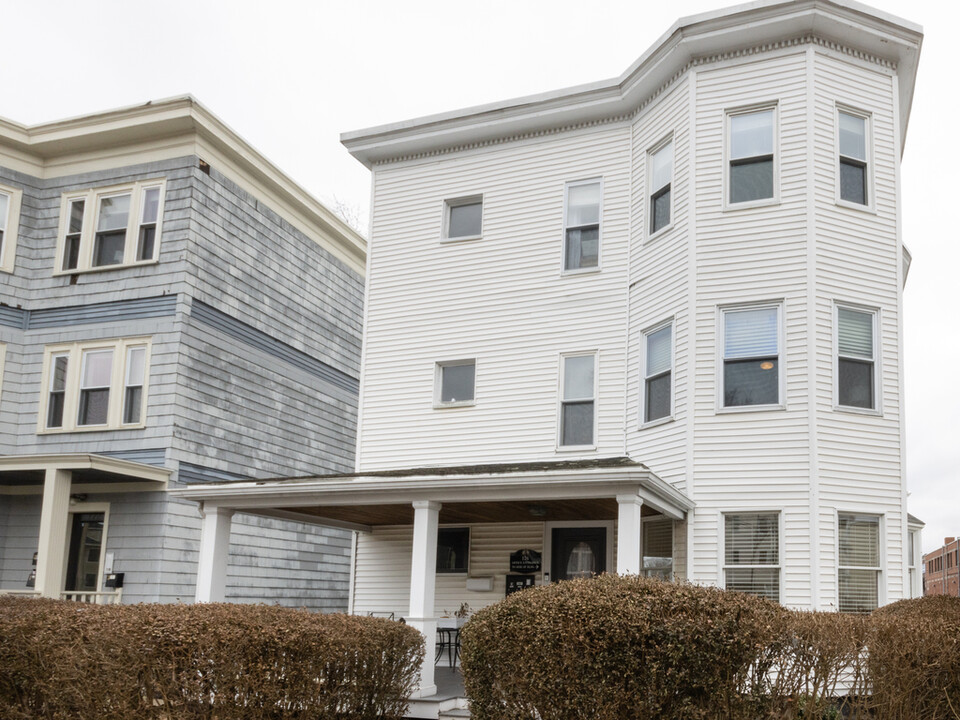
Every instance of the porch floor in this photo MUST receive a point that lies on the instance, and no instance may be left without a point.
(450, 700)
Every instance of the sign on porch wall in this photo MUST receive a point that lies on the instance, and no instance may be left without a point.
(525, 561)
(519, 582)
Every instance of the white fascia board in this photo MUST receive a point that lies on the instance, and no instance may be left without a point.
(85, 461)
(740, 27)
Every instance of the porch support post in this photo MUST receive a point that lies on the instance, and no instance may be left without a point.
(214, 554)
(629, 535)
(423, 582)
(52, 545)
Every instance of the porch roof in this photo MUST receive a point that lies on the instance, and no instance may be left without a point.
(469, 493)
(24, 474)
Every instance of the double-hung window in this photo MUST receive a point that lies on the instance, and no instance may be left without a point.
(856, 358)
(751, 356)
(9, 225)
(859, 562)
(455, 383)
(581, 239)
(853, 165)
(110, 227)
(751, 558)
(752, 171)
(98, 385)
(577, 406)
(463, 218)
(658, 373)
(658, 549)
(660, 177)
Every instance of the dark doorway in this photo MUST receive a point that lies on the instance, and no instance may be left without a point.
(83, 562)
(578, 552)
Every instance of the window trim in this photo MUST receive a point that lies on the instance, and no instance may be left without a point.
(882, 557)
(595, 354)
(3, 360)
(453, 202)
(439, 404)
(877, 364)
(644, 334)
(870, 205)
(781, 357)
(563, 239)
(647, 226)
(722, 555)
(729, 113)
(91, 214)
(8, 250)
(74, 352)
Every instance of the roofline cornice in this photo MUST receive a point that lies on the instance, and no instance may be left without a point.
(713, 35)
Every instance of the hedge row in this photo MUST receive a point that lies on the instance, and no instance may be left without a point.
(230, 662)
(615, 648)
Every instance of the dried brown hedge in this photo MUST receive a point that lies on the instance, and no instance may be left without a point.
(914, 659)
(230, 662)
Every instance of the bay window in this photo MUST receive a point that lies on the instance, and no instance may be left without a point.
(751, 356)
(751, 151)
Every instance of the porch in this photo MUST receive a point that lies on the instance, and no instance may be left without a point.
(612, 497)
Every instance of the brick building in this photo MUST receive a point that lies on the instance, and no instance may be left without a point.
(942, 569)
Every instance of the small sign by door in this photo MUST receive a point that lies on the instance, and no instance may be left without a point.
(519, 582)
(525, 561)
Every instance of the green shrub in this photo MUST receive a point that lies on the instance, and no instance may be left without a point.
(230, 662)
(617, 648)
(914, 659)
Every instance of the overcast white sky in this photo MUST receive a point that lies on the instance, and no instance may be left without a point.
(291, 76)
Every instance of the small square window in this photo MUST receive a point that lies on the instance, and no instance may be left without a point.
(581, 244)
(456, 382)
(751, 356)
(464, 218)
(752, 163)
(453, 550)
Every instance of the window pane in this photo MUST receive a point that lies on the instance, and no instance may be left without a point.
(151, 203)
(93, 407)
(660, 210)
(657, 398)
(145, 242)
(853, 182)
(750, 333)
(764, 582)
(578, 377)
(58, 378)
(131, 404)
(113, 213)
(583, 248)
(71, 252)
(661, 167)
(457, 382)
(108, 248)
(751, 181)
(659, 351)
(453, 549)
(853, 136)
(858, 590)
(859, 540)
(751, 134)
(751, 382)
(97, 367)
(55, 410)
(577, 424)
(4, 207)
(751, 539)
(76, 216)
(583, 205)
(465, 220)
(855, 333)
(135, 360)
(855, 383)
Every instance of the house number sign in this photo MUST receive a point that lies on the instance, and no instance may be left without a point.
(525, 561)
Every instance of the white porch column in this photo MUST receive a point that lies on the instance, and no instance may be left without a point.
(629, 535)
(423, 582)
(214, 554)
(52, 545)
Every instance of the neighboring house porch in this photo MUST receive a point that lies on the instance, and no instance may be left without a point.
(578, 517)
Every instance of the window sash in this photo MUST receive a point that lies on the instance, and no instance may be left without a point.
(752, 553)
(465, 219)
(658, 381)
(577, 405)
(751, 357)
(581, 244)
(457, 382)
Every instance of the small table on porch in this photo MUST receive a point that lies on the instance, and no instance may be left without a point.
(448, 641)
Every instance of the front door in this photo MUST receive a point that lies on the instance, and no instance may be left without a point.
(83, 561)
(578, 552)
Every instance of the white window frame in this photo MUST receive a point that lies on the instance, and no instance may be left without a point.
(728, 152)
(648, 225)
(3, 360)
(868, 175)
(439, 366)
(781, 358)
(563, 243)
(882, 569)
(561, 400)
(877, 364)
(669, 322)
(74, 352)
(456, 202)
(723, 566)
(8, 251)
(91, 212)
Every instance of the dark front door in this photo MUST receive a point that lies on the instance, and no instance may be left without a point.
(83, 562)
(578, 552)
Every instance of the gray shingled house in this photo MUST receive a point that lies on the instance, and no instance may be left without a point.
(173, 310)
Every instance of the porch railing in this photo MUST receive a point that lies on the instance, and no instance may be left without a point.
(111, 597)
